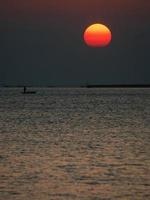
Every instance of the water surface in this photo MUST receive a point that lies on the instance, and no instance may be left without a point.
(66, 144)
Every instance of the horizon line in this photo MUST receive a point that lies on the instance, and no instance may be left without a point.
(83, 86)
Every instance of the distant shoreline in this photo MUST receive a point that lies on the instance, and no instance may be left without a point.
(79, 86)
(118, 86)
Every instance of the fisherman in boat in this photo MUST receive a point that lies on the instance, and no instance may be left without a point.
(27, 92)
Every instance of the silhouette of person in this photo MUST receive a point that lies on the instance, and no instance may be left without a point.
(25, 89)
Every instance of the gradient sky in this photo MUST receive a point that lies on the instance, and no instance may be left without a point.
(41, 42)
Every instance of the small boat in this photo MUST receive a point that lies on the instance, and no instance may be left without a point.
(27, 92)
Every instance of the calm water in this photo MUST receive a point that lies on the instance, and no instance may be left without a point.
(66, 144)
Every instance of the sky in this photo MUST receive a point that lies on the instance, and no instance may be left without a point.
(41, 42)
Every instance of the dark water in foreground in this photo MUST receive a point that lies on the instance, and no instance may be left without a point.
(66, 144)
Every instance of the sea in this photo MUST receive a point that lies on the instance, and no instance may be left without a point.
(75, 144)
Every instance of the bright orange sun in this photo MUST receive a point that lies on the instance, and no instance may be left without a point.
(97, 35)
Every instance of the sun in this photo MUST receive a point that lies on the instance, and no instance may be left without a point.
(97, 35)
